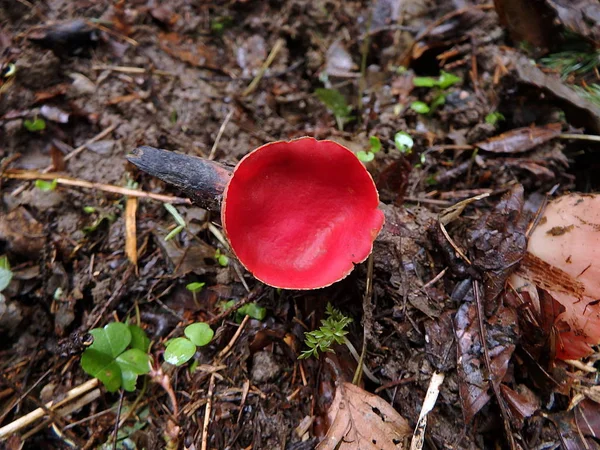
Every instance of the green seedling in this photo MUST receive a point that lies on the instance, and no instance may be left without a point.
(493, 118)
(222, 259)
(337, 104)
(250, 309)
(439, 84)
(404, 142)
(34, 125)
(109, 217)
(178, 220)
(89, 209)
(180, 350)
(46, 186)
(194, 288)
(219, 24)
(118, 355)
(5, 273)
(374, 147)
(420, 107)
(332, 331)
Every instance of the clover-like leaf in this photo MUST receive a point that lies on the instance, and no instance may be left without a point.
(102, 366)
(139, 339)
(111, 340)
(199, 333)
(132, 363)
(179, 351)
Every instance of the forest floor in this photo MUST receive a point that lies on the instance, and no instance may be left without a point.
(219, 79)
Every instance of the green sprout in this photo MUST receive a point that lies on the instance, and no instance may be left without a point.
(118, 355)
(374, 147)
(337, 104)
(404, 142)
(222, 259)
(180, 350)
(250, 309)
(178, 220)
(494, 117)
(332, 331)
(5, 273)
(89, 209)
(420, 107)
(439, 84)
(194, 288)
(34, 125)
(46, 186)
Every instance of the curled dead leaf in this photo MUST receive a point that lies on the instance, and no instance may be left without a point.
(361, 420)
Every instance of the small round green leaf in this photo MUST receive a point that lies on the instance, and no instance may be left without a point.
(253, 310)
(199, 333)
(420, 107)
(195, 287)
(179, 351)
(365, 156)
(403, 141)
(424, 82)
(375, 144)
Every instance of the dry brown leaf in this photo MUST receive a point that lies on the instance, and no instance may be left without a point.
(130, 230)
(521, 139)
(361, 420)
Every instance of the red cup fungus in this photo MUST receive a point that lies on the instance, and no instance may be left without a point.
(300, 214)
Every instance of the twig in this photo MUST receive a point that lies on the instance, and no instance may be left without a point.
(69, 181)
(213, 150)
(117, 421)
(582, 137)
(138, 70)
(488, 365)
(430, 398)
(36, 414)
(254, 83)
(223, 353)
(368, 315)
(211, 388)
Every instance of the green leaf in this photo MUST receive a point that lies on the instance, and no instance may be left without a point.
(375, 144)
(195, 287)
(447, 79)
(180, 221)
(174, 233)
(365, 156)
(128, 380)
(254, 311)
(494, 117)
(438, 101)
(179, 351)
(34, 125)
(420, 107)
(222, 259)
(46, 186)
(89, 209)
(337, 104)
(134, 360)
(424, 82)
(5, 273)
(102, 366)
(139, 339)
(111, 340)
(404, 142)
(199, 333)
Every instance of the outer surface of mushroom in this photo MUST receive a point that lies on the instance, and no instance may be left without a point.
(568, 239)
(300, 214)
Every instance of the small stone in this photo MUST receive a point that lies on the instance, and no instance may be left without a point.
(264, 367)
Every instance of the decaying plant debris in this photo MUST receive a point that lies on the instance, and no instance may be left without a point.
(502, 122)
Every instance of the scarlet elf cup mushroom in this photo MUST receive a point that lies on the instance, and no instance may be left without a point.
(298, 214)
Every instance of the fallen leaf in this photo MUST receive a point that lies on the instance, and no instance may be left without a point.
(130, 229)
(527, 21)
(498, 243)
(501, 333)
(522, 404)
(581, 16)
(521, 139)
(361, 420)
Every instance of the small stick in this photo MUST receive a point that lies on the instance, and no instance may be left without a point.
(138, 70)
(252, 86)
(213, 150)
(211, 388)
(68, 181)
(223, 353)
(36, 414)
(582, 137)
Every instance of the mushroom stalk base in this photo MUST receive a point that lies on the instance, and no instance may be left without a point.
(202, 180)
